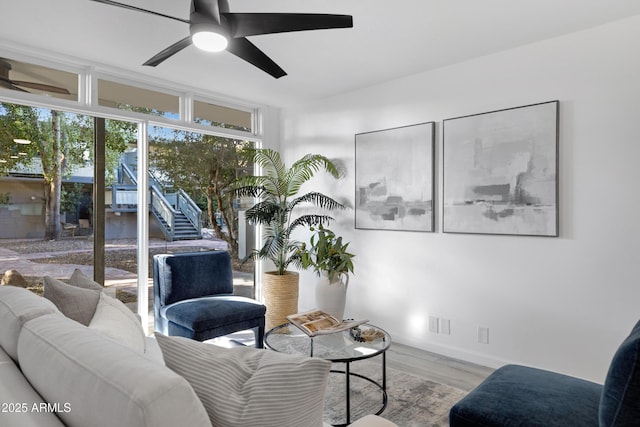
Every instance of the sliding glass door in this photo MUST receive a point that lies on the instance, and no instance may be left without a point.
(49, 198)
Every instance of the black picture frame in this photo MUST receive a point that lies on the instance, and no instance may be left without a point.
(500, 172)
(394, 178)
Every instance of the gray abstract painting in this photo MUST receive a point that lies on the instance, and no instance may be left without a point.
(500, 172)
(394, 178)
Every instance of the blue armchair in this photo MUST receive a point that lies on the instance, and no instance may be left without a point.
(516, 395)
(193, 298)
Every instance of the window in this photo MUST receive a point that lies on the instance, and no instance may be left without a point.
(131, 98)
(36, 79)
(23, 201)
(217, 115)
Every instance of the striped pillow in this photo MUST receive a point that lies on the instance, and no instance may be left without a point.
(245, 387)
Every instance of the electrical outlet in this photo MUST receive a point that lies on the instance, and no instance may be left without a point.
(483, 335)
(445, 326)
(433, 324)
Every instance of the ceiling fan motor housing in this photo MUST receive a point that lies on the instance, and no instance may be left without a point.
(216, 36)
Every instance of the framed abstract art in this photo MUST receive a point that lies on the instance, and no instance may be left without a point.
(394, 178)
(500, 172)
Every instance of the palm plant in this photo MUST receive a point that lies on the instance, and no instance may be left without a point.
(277, 193)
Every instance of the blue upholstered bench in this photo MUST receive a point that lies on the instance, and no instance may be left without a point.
(520, 396)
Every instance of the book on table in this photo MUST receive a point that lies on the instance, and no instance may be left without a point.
(317, 322)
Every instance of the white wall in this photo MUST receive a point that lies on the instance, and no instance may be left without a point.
(558, 303)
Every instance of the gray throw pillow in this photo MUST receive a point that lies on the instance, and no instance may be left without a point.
(74, 302)
(81, 280)
(114, 319)
(248, 387)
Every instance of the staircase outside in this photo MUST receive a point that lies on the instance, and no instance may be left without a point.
(178, 215)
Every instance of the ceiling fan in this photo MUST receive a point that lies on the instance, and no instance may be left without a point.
(213, 28)
(7, 83)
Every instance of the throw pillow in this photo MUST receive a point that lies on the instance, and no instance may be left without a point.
(114, 319)
(244, 386)
(81, 280)
(76, 303)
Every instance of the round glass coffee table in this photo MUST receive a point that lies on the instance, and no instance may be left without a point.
(339, 347)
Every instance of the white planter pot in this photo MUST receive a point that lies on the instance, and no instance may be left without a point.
(332, 296)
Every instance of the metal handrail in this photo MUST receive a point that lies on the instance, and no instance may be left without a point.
(188, 207)
(163, 209)
(128, 174)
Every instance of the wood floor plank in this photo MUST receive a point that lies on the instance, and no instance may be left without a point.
(435, 367)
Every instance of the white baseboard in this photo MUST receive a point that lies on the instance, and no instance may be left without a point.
(456, 353)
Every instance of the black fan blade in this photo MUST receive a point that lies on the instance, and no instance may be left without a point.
(252, 24)
(208, 8)
(168, 52)
(41, 86)
(139, 9)
(244, 49)
(6, 83)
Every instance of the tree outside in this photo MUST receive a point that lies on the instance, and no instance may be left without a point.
(62, 142)
(205, 167)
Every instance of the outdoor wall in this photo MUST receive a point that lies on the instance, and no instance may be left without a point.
(558, 303)
(123, 225)
(23, 217)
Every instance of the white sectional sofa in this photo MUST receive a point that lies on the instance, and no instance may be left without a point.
(54, 372)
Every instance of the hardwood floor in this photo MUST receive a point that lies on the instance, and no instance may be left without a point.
(435, 367)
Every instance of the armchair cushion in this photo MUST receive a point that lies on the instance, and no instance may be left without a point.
(189, 275)
(516, 395)
(620, 404)
(513, 395)
(205, 313)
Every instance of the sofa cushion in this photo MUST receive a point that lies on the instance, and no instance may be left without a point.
(74, 302)
(116, 321)
(105, 384)
(519, 395)
(245, 387)
(21, 405)
(81, 280)
(620, 405)
(18, 306)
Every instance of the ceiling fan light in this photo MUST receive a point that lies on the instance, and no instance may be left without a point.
(209, 41)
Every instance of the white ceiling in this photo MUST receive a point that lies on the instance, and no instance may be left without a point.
(390, 39)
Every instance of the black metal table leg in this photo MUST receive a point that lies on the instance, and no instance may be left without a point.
(348, 382)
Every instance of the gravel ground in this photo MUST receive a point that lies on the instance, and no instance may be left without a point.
(67, 245)
(121, 253)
